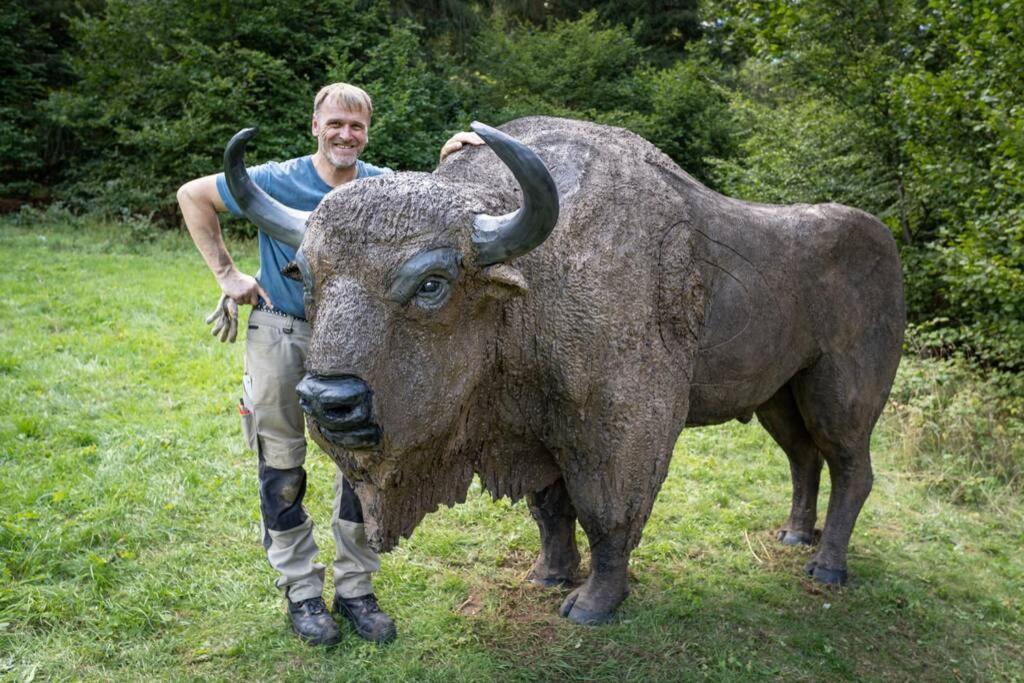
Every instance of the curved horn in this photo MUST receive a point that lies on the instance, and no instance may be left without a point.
(499, 238)
(281, 222)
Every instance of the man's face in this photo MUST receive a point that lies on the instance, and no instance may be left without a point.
(341, 133)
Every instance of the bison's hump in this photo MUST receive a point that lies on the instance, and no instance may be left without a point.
(578, 154)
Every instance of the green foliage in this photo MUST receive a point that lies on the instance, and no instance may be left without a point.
(909, 110)
(162, 86)
(587, 69)
(686, 115)
(575, 66)
(844, 56)
(23, 85)
(664, 27)
(961, 105)
(33, 36)
(796, 149)
(962, 430)
(973, 283)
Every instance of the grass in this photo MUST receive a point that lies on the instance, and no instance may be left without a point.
(129, 530)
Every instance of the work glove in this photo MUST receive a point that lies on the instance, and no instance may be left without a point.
(224, 320)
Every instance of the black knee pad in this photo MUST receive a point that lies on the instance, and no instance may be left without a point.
(281, 494)
(350, 510)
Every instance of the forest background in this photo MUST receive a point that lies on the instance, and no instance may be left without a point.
(912, 110)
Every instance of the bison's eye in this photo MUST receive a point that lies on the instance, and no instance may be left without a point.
(425, 279)
(432, 292)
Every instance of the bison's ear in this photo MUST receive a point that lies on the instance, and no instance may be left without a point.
(292, 271)
(504, 280)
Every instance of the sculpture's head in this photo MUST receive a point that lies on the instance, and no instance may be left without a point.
(403, 277)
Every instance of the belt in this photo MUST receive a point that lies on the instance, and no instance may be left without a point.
(262, 306)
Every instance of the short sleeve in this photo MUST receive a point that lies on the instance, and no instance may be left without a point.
(262, 175)
(369, 170)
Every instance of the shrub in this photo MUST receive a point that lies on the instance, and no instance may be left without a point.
(962, 430)
(163, 86)
(585, 69)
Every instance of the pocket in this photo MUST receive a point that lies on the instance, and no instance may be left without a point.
(246, 415)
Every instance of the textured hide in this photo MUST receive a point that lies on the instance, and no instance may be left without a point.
(656, 303)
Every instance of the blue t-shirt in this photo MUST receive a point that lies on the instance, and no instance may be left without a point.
(294, 183)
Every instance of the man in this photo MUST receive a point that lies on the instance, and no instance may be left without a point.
(276, 345)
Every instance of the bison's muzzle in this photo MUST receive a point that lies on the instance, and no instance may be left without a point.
(342, 407)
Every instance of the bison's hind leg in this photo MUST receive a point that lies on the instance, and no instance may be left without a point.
(840, 403)
(559, 559)
(781, 417)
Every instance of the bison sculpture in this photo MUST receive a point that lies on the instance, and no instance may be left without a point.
(550, 311)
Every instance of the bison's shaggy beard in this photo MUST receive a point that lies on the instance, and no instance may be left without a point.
(394, 513)
(419, 484)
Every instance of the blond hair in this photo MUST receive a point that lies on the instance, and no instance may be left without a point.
(344, 95)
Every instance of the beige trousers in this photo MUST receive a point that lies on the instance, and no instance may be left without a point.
(274, 428)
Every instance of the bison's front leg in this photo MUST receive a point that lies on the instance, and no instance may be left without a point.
(559, 559)
(613, 494)
(594, 602)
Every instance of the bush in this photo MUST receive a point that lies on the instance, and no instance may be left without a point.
(965, 139)
(584, 69)
(163, 86)
(574, 68)
(794, 148)
(33, 37)
(962, 430)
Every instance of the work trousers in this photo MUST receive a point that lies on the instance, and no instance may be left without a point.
(274, 427)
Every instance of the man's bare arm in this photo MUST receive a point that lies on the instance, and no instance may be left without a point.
(200, 203)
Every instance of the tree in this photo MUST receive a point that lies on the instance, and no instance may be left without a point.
(922, 96)
(163, 85)
(34, 42)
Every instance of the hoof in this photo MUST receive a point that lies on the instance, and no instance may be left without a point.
(788, 537)
(551, 582)
(568, 604)
(831, 577)
(578, 615)
(585, 617)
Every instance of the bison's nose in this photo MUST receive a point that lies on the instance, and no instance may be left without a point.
(342, 407)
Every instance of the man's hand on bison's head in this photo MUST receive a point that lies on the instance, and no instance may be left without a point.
(458, 141)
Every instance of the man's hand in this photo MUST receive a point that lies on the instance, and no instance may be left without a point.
(456, 142)
(224, 319)
(237, 288)
(243, 289)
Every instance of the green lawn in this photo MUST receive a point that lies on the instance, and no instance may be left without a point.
(129, 529)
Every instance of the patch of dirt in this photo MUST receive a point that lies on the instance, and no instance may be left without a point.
(471, 606)
(527, 604)
(526, 623)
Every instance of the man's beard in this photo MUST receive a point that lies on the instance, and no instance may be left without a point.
(328, 154)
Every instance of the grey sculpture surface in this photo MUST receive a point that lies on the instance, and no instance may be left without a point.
(564, 369)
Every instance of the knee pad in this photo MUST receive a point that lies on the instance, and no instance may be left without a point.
(281, 494)
(349, 509)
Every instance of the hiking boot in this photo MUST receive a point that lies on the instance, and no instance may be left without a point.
(364, 614)
(312, 622)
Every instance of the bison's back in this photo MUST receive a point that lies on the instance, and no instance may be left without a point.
(595, 309)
